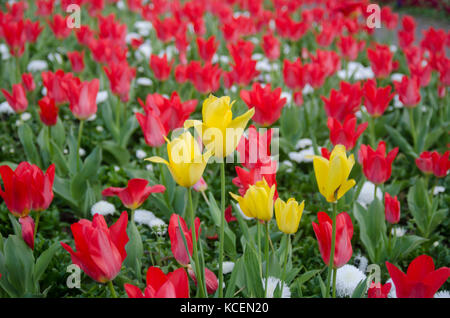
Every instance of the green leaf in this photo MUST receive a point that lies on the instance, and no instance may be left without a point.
(120, 154)
(372, 228)
(307, 276)
(88, 171)
(127, 131)
(61, 187)
(44, 260)
(404, 245)
(27, 138)
(232, 282)
(401, 142)
(62, 167)
(252, 272)
(135, 250)
(360, 290)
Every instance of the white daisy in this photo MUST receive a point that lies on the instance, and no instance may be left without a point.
(288, 97)
(227, 267)
(142, 216)
(141, 154)
(25, 116)
(143, 27)
(308, 89)
(272, 284)
(4, 51)
(37, 66)
(392, 292)
(82, 152)
(144, 81)
(347, 278)
(158, 226)
(397, 77)
(398, 231)
(144, 50)
(102, 96)
(362, 262)
(303, 143)
(442, 294)
(366, 195)
(305, 155)
(5, 108)
(438, 189)
(103, 208)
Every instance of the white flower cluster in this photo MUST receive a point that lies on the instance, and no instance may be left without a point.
(272, 284)
(347, 278)
(145, 217)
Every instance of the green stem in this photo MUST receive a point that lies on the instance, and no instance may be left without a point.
(36, 224)
(413, 127)
(375, 192)
(199, 275)
(258, 227)
(373, 137)
(266, 256)
(222, 227)
(132, 215)
(80, 132)
(118, 113)
(286, 253)
(111, 289)
(333, 242)
(334, 282)
(18, 72)
(49, 137)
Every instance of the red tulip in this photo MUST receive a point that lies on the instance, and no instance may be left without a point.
(376, 99)
(16, 193)
(44, 7)
(83, 98)
(28, 82)
(165, 29)
(246, 178)
(241, 50)
(377, 167)
(160, 67)
(135, 194)
(176, 238)
(59, 26)
(159, 285)
(108, 51)
(425, 162)
(207, 48)
(243, 71)
(32, 30)
(211, 280)
(441, 163)
(152, 128)
(347, 133)
(14, 34)
(344, 102)
(48, 111)
(350, 47)
(229, 215)
(378, 290)
(100, 250)
(327, 62)
(27, 188)
(421, 279)
(267, 103)
(17, 99)
(290, 29)
(389, 19)
(254, 150)
(171, 112)
(84, 35)
(381, 60)
(434, 41)
(314, 74)
(120, 76)
(327, 34)
(206, 79)
(271, 46)
(27, 224)
(409, 91)
(423, 73)
(57, 84)
(406, 36)
(76, 61)
(293, 74)
(344, 232)
(391, 208)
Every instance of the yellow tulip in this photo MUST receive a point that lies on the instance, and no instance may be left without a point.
(186, 162)
(331, 175)
(257, 201)
(220, 132)
(288, 215)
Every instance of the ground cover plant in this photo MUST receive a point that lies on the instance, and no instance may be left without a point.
(222, 148)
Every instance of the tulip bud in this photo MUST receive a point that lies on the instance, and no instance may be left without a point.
(391, 209)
